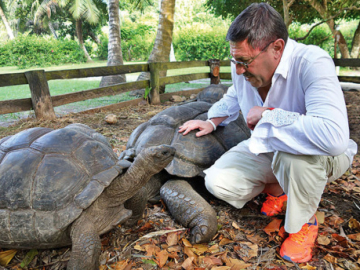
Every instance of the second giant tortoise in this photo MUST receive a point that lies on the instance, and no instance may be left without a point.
(66, 187)
(193, 155)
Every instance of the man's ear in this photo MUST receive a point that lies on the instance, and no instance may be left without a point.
(279, 46)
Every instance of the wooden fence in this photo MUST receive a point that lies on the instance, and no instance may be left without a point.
(42, 102)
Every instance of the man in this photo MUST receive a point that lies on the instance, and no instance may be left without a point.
(291, 99)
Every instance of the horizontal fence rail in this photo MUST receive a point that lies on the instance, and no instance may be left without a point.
(38, 82)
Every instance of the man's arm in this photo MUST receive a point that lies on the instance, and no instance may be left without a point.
(323, 130)
(225, 108)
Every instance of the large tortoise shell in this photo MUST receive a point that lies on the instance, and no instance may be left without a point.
(47, 178)
(193, 154)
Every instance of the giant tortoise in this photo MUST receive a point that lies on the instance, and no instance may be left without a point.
(193, 155)
(66, 186)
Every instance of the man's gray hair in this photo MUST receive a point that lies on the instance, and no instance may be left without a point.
(260, 24)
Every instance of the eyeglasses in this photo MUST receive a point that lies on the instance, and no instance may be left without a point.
(246, 64)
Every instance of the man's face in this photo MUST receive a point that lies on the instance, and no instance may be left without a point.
(262, 64)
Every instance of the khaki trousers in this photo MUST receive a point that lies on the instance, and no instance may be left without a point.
(239, 175)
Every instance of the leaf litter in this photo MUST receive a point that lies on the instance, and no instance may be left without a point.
(245, 239)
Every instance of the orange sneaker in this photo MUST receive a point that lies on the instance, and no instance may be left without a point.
(273, 205)
(298, 246)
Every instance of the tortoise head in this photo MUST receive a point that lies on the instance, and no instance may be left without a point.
(158, 156)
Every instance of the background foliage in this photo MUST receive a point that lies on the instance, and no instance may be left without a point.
(26, 51)
(199, 33)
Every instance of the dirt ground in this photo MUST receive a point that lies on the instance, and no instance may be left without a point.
(245, 239)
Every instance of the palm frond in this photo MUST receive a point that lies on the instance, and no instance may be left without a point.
(92, 13)
(85, 9)
(47, 7)
(62, 3)
(77, 8)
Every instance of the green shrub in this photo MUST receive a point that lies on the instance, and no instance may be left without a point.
(102, 51)
(201, 42)
(320, 36)
(31, 51)
(137, 41)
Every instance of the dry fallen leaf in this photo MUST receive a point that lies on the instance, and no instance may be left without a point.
(334, 221)
(172, 239)
(235, 225)
(199, 249)
(256, 239)
(212, 261)
(214, 249)
(246, 250)
(151, 249)
(308, 267)
(187, 263)
(189, 252)
(6, 256)
(186, 242)
(161, 257)
(140, 248)
(355, 237)
(330, 259)
(354, 224)
(323, 240)
(236, 264)
(273, 226)
(120, 265)
(225, 241)
(320, 217)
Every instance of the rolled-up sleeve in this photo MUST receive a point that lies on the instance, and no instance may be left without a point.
(227, 106)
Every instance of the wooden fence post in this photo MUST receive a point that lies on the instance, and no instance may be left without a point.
(154, 95)
(214, 71)
(40, 94)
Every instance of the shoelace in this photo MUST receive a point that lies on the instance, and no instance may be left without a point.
(299, 237)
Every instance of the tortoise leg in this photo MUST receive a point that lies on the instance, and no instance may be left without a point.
(86, 246)
(190, 209)
(149, 192)
(137, 205)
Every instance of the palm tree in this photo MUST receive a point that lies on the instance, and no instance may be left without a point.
(5, 21)
(115, 56)
(79, 9)
(163, 40)
(48, 9)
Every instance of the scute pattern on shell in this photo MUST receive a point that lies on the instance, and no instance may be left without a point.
(193, 155)
(47, 178)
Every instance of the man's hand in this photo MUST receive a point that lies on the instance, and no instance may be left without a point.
(254, 116)
(204, 127)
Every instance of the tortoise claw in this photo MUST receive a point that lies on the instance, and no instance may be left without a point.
(190, 209)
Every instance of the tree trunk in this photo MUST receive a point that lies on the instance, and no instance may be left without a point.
(356, 43)
(94, 37)
(115, 56)
(322, 9)
(287, 17)
(6, 23)
(162, 46)
(51, 27)
(79, 35)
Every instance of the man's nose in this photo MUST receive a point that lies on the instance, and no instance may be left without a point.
(240, 69)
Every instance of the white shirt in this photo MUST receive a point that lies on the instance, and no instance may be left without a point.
(310, 115)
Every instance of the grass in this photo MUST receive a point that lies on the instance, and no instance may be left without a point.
(58, 87)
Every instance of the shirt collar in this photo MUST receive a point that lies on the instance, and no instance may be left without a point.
(283, 67)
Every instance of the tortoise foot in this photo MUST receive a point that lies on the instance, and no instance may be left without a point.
(190, 209)
(201, 233)
(137, 205)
